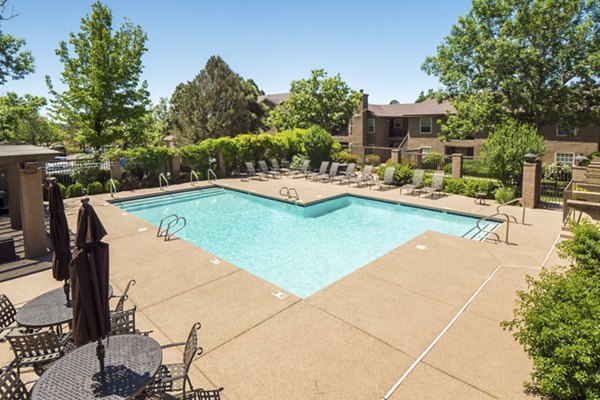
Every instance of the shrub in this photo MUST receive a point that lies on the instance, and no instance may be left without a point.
(556, 172)
(372, 159)
(74, 190)
(107, 186)
(94, 188)
(469, 186)
(402, 174)
(63, 190)
(432, 160)
(505, 194)
(297, 161)
(317, 144)
(447, 168)
(345, 157)
(86, 175)
(557, 320)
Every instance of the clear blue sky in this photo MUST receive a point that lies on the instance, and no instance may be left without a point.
(377, 46)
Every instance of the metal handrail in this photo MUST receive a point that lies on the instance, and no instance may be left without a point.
(285, 191)
(488, 232)
(209, 173)
(160, 232)
(162, 177)
(520, 200)
(113, 189)
(192, 175)
(169, 235)
(404, 140)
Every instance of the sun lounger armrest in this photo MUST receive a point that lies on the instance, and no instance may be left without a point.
(168, 346)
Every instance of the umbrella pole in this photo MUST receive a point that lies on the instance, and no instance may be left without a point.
(67, 289)
(100, 353)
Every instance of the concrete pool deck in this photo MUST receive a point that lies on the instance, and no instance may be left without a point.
(353, 339)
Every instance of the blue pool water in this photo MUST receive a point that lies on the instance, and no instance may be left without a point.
(299, 249)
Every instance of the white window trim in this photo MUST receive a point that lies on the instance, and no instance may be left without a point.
(398, 120)
(430, 126)
(567, 135)
(369, 126)
(556, 157)
(426, 147)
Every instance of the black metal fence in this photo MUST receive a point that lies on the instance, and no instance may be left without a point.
(555, 178)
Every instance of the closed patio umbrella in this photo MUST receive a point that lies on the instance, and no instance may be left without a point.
(89, 281)
(59, 236)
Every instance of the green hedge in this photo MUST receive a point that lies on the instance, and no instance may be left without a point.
(469, 186)
(403, 173)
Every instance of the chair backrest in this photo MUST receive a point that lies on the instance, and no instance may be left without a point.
(305, 165)
(274, 163)
(437, 180)
(191, 347)
(11, 385)
(124, 296)
(263, 165)
(250, 167)
(37, 344)
(350, 169)
(324, 166)
(366, 172)
(418, 175)
(334, 169)
(388, 176)
(122, 322)
(7, 312)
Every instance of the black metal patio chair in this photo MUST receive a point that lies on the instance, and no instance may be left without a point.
(11, 385)
(38, 349)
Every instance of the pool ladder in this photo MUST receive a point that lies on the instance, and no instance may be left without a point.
(488, 233)
(192, 176)
(290, 193)
(173, 223)
(162, 177)
(210, 175)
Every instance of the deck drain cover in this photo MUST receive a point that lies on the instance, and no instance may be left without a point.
(421, 247)
(142, 229)
(124, 214)
(279, 295)
(215, 261)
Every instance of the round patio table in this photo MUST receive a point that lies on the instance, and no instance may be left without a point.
(48, 309)
(130, 364)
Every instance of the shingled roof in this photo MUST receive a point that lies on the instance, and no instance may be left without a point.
(274, 99)
(427, 107)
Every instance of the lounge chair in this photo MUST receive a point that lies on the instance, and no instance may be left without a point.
(417, 182)
(332, 173)
(276, 167)
(302, 171)
(387, 181)
(437, 183)
(322, 171)
(265, 170)
(251, 172)
(364, 177)
(349, 174)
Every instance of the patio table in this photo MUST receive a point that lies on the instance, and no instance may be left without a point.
(130, 364)
(48, 309)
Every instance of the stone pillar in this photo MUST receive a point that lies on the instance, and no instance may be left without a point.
(457, 164)
(221, 164)
(32, 210)
(175, 165)
(116, 172)
(578, 173)
(532, 175)
(14, 196)
(396, 156)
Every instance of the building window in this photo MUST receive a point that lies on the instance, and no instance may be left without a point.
(371, 123)
(426, 149)
(565, 131)
(397, 123)
(425, 125)
(565, 158)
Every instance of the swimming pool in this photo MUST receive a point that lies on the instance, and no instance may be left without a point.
(299, 249)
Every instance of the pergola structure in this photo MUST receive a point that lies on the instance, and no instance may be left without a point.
(21, 177)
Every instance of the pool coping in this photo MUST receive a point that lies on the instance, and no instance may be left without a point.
(310, 203)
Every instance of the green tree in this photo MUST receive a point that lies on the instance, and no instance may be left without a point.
(149, 129)
(217, 102)
(21, 121)
(318, 100)
(538, 61)
(15, 62)
(102, 72)
(557, 321)
(504, 151)
(318, 145)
